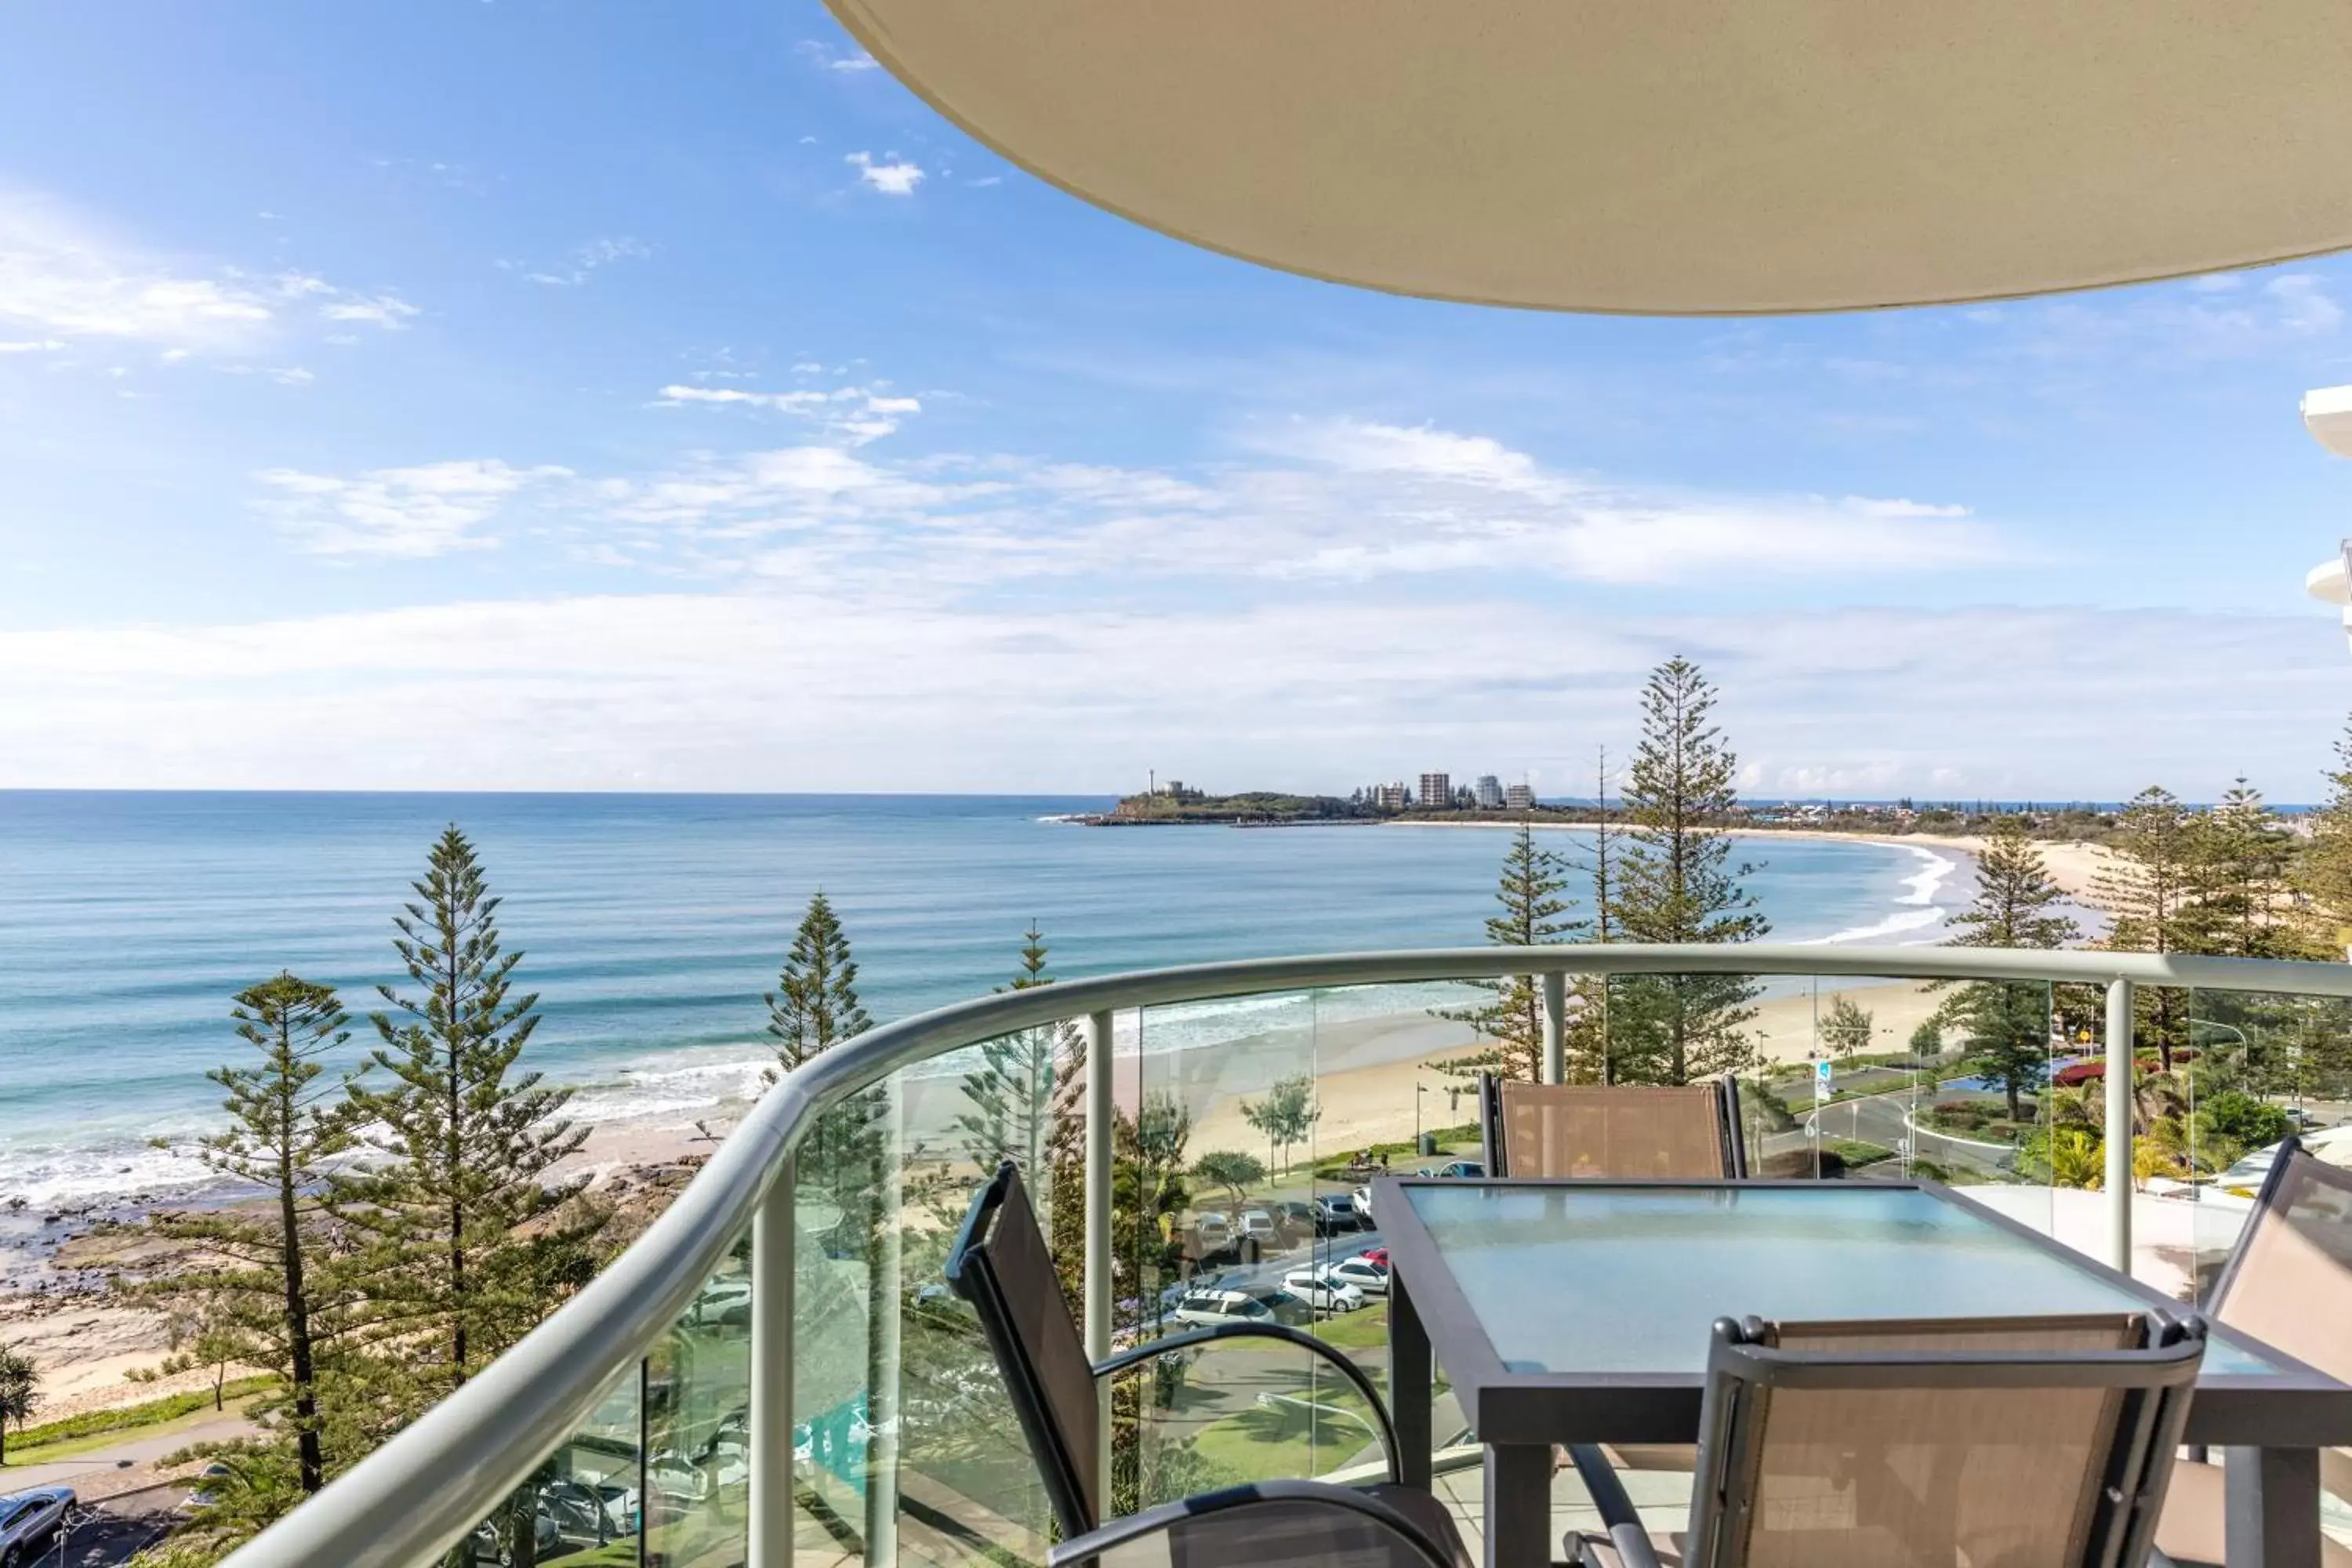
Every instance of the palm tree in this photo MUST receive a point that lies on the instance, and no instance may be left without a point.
(20, 1393)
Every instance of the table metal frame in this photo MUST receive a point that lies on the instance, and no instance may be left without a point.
(2271, 1425)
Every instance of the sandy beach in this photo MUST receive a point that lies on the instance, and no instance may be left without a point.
(2073, 868)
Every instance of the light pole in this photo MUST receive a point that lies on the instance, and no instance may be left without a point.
(1418, 1089)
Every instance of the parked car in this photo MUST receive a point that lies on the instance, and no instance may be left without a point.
(1361, 1198)
(728, 1302)
(1213, 1230)
(1375, 1255)
(1339, 1213)
(589, 1513)
(1371, 1279)
(1318, 1290)
(674, 1478)
(1457, 1169)
(29, 1522)
(207, 1487)
(1258, 1226)
(1207, 1309)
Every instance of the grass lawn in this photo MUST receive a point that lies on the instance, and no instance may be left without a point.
(98, 1430)
(1366, 1329)
(1258, 1443)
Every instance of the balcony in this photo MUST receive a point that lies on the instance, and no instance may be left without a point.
(775, 1373)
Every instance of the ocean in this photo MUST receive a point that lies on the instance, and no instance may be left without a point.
(651, 924)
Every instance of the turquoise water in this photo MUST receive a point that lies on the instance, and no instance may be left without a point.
(651, 925)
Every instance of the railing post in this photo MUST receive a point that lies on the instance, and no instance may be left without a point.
(773, 1244)
(1097, 1241)
(2121, 1064)
(882, 1361)
(1555, 1018)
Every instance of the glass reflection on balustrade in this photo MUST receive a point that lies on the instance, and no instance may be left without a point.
(2244, 1070)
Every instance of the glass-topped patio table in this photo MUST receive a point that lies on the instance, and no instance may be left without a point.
(1578, 1311)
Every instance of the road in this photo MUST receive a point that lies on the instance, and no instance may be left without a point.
(1884, 1120)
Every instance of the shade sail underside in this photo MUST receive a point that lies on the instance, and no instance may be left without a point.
(1672, 156)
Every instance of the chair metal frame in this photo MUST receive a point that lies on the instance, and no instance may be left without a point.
(971, 1274)
(1493, 1145)
(1082, 1549)
(1743, 1369)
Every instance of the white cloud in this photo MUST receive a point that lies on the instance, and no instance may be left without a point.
(1899, 507)
(38, 345)
(68, 281)
(894, 176)
(65, 281)
(745, 690)
(403, 512)
(585, 259)
(856, 59)
(854, 414)
(389, 312)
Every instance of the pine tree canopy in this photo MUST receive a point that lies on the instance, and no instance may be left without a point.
(2015, 900)
(814, 1005)
(1678, 883)
(475, 1241)
(274, 1290)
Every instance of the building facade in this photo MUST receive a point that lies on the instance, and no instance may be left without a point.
(1519, 797)
(1436, 791)
(1490, 793)
(1394, 796)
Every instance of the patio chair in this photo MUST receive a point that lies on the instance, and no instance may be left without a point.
(2026, 1443)
(1611, 1130)
(2288, 1283)
(1000, 1264)
(1268, 1524)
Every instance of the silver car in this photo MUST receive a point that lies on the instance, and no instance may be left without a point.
(29, 1522)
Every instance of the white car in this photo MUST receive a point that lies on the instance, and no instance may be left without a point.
(1320, 1291)
(1362, 1199)
(1213, 1228)
(1258, 1226)
(1362, 1273)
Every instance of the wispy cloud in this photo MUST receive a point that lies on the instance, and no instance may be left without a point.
(410, 513)
(845, 61)
(62, 278)
(890, 174)
(853, 413)
(389, 312)
(583, 261)
(743, 690)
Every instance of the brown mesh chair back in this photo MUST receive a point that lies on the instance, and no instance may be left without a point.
(2026, 1443)
(1000, 1264)
(1620, 1131)
(2288, 1282)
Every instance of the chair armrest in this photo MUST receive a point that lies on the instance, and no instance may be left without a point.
(1173, 1516)
(1608, 1494)
(1288, 1335)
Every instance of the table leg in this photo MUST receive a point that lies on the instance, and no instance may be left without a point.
(1411, 1386)
(2273, 1518)
(1518, 1506)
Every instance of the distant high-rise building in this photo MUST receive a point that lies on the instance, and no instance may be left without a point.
(1436, 791)
(1519, 797)
(1393, 797)
(1490, 793)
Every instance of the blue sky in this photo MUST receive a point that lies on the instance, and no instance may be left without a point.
(557, 396)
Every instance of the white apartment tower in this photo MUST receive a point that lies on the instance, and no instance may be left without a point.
(1436, 791)
(1490, 793)
(1519, 797)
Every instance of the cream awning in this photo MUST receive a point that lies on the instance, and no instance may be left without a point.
(1671, 157)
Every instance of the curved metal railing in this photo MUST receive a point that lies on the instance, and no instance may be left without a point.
(428, 1489)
